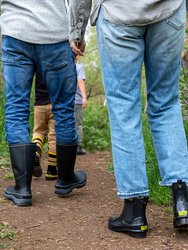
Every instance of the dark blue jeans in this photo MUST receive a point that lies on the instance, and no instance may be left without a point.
(56, 64)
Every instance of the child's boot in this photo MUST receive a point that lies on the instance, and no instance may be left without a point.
(37, 172)
(52, 167)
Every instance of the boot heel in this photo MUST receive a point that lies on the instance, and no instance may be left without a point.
(137, 234)
(23, 202)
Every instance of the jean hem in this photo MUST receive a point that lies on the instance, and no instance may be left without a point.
(132, 195)
(169, 184)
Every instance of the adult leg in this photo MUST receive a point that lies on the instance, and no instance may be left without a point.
(59, 74)
(163, 58)
(121, 53)
(164, 44)
(18, 73)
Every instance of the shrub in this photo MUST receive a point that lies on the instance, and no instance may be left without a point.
(96, 135)
(158, 194)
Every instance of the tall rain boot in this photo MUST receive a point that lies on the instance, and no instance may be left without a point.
(180, 204)
(23, 160)
(37, 171)
(132, 219)
(67, 178)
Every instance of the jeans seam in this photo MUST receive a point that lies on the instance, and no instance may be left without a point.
(132, 194)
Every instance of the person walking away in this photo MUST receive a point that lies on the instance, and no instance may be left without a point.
(29, 42)
(131, 33)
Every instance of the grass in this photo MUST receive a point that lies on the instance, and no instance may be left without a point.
(2, 200)
(8, 176)
(159, 195)
(3, 246)
(96, 130)
(3, 143)
(4, 163)
(6, 232)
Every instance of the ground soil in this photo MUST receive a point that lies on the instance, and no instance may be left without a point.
(79, 222)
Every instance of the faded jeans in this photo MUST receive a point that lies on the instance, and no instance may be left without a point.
(56, 64)
(123, 50)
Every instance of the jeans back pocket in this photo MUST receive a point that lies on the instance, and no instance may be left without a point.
(11, 49)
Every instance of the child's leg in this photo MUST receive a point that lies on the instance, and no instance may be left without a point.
(79, 127)
(52, 165)
(39, 135)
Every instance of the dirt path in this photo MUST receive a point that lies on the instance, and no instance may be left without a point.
(79, 222)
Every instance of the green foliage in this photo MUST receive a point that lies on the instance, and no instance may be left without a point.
(158, 194)
(5, 232)
(96, 127)
(92, 65)
(184, 91)
(3, 246)
(2, 200)
(8, 176)
(3, 144)
(184, 79)
(4, 162)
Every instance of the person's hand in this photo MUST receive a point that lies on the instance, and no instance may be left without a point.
(78, 48)
(84, 102)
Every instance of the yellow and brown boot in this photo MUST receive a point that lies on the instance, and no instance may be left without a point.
(37, 172)
(52, 167)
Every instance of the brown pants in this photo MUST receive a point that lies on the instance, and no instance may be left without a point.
(44, 126)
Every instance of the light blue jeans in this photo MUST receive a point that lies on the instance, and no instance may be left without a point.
(56, 64)
(123, 50)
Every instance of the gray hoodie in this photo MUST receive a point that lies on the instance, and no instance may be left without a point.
(42, 21)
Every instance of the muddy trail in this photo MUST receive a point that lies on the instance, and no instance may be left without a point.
(79, 222)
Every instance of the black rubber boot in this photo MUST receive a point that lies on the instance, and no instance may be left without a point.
(51, 173)
(132, 219)
(180, 204)
(23, 160)
(37, 171)
(67, 178)
(80, 150)
(52, 167)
